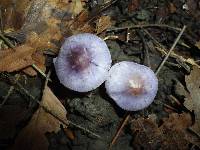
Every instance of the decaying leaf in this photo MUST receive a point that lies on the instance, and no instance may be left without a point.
(80, 24)
(42, 41)
(39, 61)
(193, 102)
(32, 137)
(13, 13)
(14, 60)
(172, 134)
(103, 23)
(76, 7)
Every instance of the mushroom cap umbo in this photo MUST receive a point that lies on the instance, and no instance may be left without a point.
(132, 86)
(83, 62)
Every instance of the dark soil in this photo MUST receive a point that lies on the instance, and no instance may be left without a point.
(95, 110)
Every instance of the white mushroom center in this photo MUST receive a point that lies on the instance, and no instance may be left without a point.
(136, 85)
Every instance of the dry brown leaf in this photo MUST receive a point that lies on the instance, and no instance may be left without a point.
(40, 42)
(80, 24)
(172, 134)
(86, 28)
(192, 102)
(13, 13)
(39, 61)
(14, 60)
(32, 137)
(76, 7)
(42, 25)
(103, 23)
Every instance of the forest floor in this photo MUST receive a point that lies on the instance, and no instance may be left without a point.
(37, 112)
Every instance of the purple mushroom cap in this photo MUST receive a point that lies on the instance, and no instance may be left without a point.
(83, 62)
(132, 86)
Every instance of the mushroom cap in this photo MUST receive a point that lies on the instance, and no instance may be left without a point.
(83, 62)
(132, 86)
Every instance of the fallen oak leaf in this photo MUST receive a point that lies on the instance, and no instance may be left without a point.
(14, 60)
(32, 137)
(103, 23)
(192, 102)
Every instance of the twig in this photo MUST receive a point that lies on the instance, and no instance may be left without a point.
(145, 26)
(7, 41)
(47, 78)
(180, 59)
(170, 107)
(163, 50)
(120, 130)
(154, 40)
(111, 37)
(9, 91)
(171, 49)
(40, 71)
(68, 122)
(146, 50)
(175, 99)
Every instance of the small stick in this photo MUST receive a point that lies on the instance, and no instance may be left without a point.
(47, 78)
(170, 107)
(180, 60)
(111, 37)
(175, 99)
(41, 72)
(119, 130)
(7, 41)
(145, 26)
(171, 49)
(146, 50)
(9, 91)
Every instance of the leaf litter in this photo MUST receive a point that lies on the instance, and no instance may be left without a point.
(16, 59)
(171, 134)
(33, 135)
(192, 101)
(41, 29)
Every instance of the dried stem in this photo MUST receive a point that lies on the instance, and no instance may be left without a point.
(171, 49)
(7, 41)
(145, 26)
(41, 72)
(120, 129)
(9, 91)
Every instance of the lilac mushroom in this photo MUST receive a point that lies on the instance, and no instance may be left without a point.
(132, 86)
(83, 62)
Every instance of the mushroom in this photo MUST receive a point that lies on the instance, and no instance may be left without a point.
(83, 62)
(132, 86)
